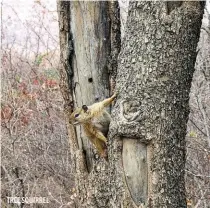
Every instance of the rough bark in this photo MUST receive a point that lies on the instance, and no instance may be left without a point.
(90, 43)
(155, 70)
(65, 66)
(146, 140)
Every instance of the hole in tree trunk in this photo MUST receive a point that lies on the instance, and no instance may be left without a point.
(90, 79)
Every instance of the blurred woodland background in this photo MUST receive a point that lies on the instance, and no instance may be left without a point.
(35, 158)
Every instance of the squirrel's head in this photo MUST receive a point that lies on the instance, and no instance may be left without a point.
(80, 115)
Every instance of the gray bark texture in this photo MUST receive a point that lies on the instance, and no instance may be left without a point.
(155, 69)
(146, 147)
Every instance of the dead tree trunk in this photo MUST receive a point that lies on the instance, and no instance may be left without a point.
(90, 43)
(155, 69)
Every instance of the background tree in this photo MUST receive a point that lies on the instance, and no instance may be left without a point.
(197, 138)
(34, 153)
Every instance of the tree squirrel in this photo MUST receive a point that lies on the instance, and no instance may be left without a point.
(95, 121)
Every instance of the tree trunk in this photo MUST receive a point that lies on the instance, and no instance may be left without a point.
(90, 43)
(155, 70)
(146, 147)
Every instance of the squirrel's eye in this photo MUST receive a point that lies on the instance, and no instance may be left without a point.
(76, 115)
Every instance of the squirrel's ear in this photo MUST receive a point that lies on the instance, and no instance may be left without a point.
(85, 108)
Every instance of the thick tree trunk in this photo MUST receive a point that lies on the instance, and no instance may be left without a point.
(155, 70)
(90, 43)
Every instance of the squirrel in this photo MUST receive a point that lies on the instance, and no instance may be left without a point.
(95, 121)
